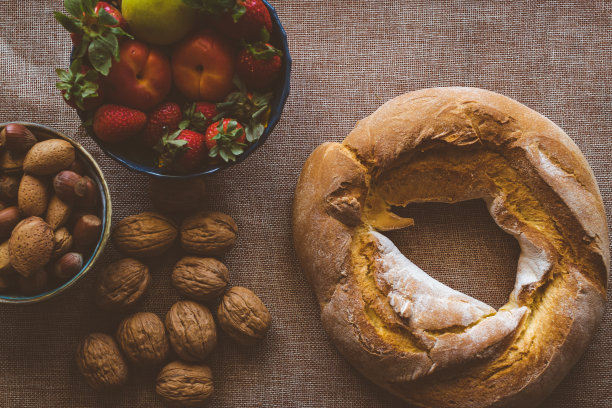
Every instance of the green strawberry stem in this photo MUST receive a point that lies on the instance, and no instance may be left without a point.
(169, 147)
(227, 145)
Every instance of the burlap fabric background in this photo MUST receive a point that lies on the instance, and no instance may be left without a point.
(349, 57)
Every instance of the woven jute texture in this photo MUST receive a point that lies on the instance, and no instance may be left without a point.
(349, 58)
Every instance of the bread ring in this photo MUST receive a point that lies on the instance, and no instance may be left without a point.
(412, 335)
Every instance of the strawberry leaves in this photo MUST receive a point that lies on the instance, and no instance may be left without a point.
(97, 33)
(250, 109)
(77, 86)
(226, 140)
(169, 147)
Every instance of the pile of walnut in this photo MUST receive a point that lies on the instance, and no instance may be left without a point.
(47, 207)
(189, 327)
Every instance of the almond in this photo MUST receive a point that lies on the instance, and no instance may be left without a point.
(58, 212)
(30, 245)
(49, 157)
(32, 197)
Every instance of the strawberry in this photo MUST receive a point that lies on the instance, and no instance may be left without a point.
(95, 31)
(248, 19)
(114, 123)
(182, 151)
(164, 119)
(199, 115)
(80, 87)
(259, 64)
(225, 138)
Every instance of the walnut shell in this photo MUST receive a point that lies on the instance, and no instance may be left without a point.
(58, 212)
(62, 242)
(142, 337)
(121, 284)
(191, 330)
(9, 186)
(185, 385)
(243, 316)
(177, 196)
(49, 157)
(208, 233)
(144, 235)
(33, 196)
(100, 362)
(202, 279)
(30, 245)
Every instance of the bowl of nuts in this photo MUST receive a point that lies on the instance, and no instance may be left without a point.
(55, 212)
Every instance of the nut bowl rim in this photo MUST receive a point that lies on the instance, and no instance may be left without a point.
(280, 98)
(106, 217)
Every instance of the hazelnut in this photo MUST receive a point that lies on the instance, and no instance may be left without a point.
(11, 163)
(9, 217)
(202, 279)
(208, 233)
(185, 385)
(144, 235)
(78, 167)
(62, 242)
(121, 284)
(58, 212)
(35, 283)
(191, 330)
(68, 266)
(9, 186)
(86, 232)
(49, 157)
(66, 185)
(178, 196)
(18, 138)
(30, 245)
(142, 337)
(243, 316)
(32, 197)
(100, 362)
(87, 194)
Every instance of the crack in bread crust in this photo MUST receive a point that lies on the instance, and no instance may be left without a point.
(450, 145)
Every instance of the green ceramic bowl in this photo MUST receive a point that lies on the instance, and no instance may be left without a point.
(93, 170)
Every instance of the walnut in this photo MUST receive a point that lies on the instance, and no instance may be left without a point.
(142, 337)
(191, 330)
(100, 362)
(122, 283)
(177, 196)
(208, 233)
(202, 279)
(243, 316)
(185, 385)
(144, 235)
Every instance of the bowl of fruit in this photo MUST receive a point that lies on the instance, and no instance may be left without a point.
(179, 88)
(55, 212)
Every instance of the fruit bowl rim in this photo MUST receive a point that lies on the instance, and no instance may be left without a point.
(106, 213)
(275, 115)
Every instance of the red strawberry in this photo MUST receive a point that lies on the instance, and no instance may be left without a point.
(164, 119)
(121, 22)
(248, 19)
(225, 138)
(114, 123)
(259, 64)
(80, 87)
(199, 115)
(182, 151)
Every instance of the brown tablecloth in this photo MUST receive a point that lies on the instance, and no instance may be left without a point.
(349, 57)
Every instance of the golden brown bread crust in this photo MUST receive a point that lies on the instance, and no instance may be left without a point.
(453, 144)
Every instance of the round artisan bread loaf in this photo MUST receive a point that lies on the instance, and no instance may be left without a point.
(407, 332)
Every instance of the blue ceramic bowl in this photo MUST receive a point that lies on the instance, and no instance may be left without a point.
(132, 157)
(93, 171)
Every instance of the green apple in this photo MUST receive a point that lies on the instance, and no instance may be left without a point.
(158, 22)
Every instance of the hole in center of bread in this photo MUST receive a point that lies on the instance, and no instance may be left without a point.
(461, 246)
